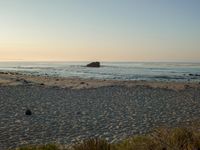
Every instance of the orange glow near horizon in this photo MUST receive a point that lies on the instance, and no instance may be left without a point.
(86, 55)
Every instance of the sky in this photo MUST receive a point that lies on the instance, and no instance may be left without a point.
(101, 30)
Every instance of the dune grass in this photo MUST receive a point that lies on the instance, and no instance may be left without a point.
(160, 139)
(163, 139)
(40, 147)
(93, 144)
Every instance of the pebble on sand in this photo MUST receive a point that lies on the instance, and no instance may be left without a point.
(28, 112)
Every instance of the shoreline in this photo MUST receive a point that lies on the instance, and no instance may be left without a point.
(14, 78)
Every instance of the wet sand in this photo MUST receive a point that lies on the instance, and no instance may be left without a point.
(13, 79)
(66, 110)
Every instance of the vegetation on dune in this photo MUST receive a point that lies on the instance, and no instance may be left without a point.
(160, 139)
(40, 147)
(93, 144)
(164, 139)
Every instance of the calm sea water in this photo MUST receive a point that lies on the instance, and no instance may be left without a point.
(110, 70)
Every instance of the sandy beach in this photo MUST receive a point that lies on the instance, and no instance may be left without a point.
(65, 110)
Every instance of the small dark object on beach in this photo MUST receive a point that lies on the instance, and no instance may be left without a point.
(94, 64)
(26, 82)
(187, 86)
(78, 113)
(4, 72)
(28, 112)
(196, 75)
(18, 80)
(11, 73)
(82, 83)
(41, 83)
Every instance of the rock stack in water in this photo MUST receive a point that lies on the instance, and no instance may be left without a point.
(94, 64)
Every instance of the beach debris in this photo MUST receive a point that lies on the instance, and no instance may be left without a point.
(82, 83)
(28, 112)
(78, 113)
(94, 64)
(18, 80)
(25, 81)
(196, 75)
(187, 86)
(3, 72)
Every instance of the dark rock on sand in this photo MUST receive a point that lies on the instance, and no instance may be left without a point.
(196, 75)
(28, 112)
(78, 113)
(187, 86)
(3, 72)
(18, 80)
(94, 64)
(26, 82)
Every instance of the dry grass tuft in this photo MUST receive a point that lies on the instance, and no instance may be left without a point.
(160, 139)
(40, 147)
(164, 139)
(93, 144)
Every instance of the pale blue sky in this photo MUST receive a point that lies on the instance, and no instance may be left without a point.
(105, 30)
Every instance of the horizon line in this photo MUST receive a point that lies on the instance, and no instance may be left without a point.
(120, 61)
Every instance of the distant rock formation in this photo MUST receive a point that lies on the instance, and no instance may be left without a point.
(94, 64)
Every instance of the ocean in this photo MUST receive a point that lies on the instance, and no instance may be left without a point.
(151, 71)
